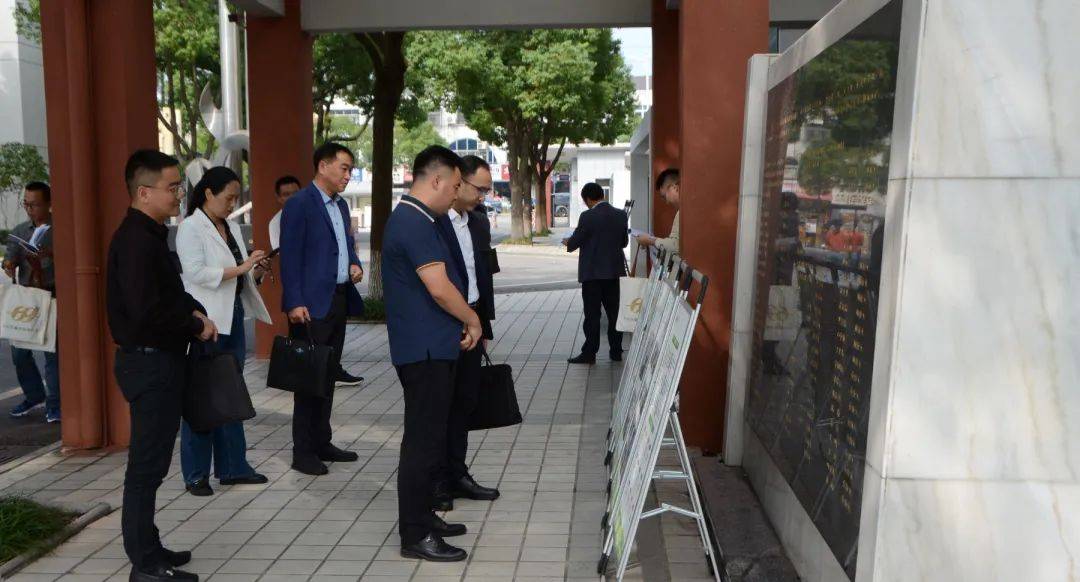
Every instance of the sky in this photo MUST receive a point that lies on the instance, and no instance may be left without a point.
(636, 49)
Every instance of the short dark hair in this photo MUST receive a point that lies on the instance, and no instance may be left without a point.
(433, 158)
(328, 152)
(215, 179)
(286, 180)
(592, 191)
(42, 187)
(668, 175)
(470, 164)
(144, 162)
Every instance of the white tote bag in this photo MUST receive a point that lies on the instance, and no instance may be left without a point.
(24, 314)
(631, 294)
(49, 344)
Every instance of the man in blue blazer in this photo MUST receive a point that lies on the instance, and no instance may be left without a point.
(467, 234)
(319, 271)
(601, 234)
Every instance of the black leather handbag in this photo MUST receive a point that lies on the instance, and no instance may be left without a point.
(497, 403)
(301, 366)
(216, 392)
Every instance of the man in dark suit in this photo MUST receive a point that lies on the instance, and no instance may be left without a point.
(319, 271)
(468, 236)
(601, 234)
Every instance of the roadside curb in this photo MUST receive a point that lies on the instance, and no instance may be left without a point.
(18, 562)
(533, 250)
(14, 463)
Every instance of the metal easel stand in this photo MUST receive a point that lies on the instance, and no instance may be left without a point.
(685, 474)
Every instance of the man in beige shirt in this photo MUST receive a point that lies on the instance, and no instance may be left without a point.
(667, 185)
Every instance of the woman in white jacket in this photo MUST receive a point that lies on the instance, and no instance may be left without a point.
(218, 273)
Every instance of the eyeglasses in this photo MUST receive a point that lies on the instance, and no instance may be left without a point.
(482, 191)
(176, 190)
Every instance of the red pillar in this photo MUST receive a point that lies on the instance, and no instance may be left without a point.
(279, 65)
(100, 82)
(665, 109)
(717, 37)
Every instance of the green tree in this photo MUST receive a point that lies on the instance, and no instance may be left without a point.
(28, 19)
(533, 91)
(19, 164)
(387, 53)
(186, 35)
(342, 70)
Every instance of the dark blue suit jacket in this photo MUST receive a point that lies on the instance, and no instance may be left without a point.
(601, 235)
(480, 232)
(309, 250)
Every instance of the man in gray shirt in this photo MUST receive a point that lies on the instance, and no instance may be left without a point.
(32, 268)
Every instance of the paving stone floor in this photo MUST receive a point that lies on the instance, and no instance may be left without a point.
(342, 526)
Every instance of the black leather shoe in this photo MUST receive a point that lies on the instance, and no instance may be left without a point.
(346, 379)
(309, 466)
(433, 549)
(616, 356)
(582, 359)
(336, 455)
(468, 488)
(161, 573)
(200, 488)
(176, 559)
(441, 499)
(253, 479)
(447, 530)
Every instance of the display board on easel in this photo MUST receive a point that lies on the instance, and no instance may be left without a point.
(645, 411)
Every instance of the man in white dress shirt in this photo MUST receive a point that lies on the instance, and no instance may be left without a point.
(467, 233)
(285, 187)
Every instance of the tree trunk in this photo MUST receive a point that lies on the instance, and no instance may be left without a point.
(388, 58)
(542, 223)
(193, 112)
(170, 95)
(520, 187)
(320, 124)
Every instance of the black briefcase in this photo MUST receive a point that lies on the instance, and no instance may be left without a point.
(300, 366)
(216, 392)
(497, 403)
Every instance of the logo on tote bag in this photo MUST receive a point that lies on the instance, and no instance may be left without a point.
(24, 314)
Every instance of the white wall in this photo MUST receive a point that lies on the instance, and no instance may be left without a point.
(594, 163)
(22, 101)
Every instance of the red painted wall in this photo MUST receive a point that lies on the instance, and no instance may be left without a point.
(717, 38)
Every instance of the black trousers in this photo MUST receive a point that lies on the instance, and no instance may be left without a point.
(594, 294)
(153, 385)
(463, 402)
(429, 388)
(311, 414)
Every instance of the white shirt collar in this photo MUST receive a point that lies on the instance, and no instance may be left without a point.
(460, 218)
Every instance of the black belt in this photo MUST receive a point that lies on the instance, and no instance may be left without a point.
(141, 350)
(475, 305)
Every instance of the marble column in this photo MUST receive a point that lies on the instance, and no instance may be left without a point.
(973, 457)
(742, 322)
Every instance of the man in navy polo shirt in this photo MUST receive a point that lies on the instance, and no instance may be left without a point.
(429, 324)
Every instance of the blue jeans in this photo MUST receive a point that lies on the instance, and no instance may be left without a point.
(36, 390)
(225, 444)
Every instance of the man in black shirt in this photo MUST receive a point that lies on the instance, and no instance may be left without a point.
(152, 320)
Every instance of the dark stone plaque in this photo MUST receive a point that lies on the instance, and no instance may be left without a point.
(828, 135)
